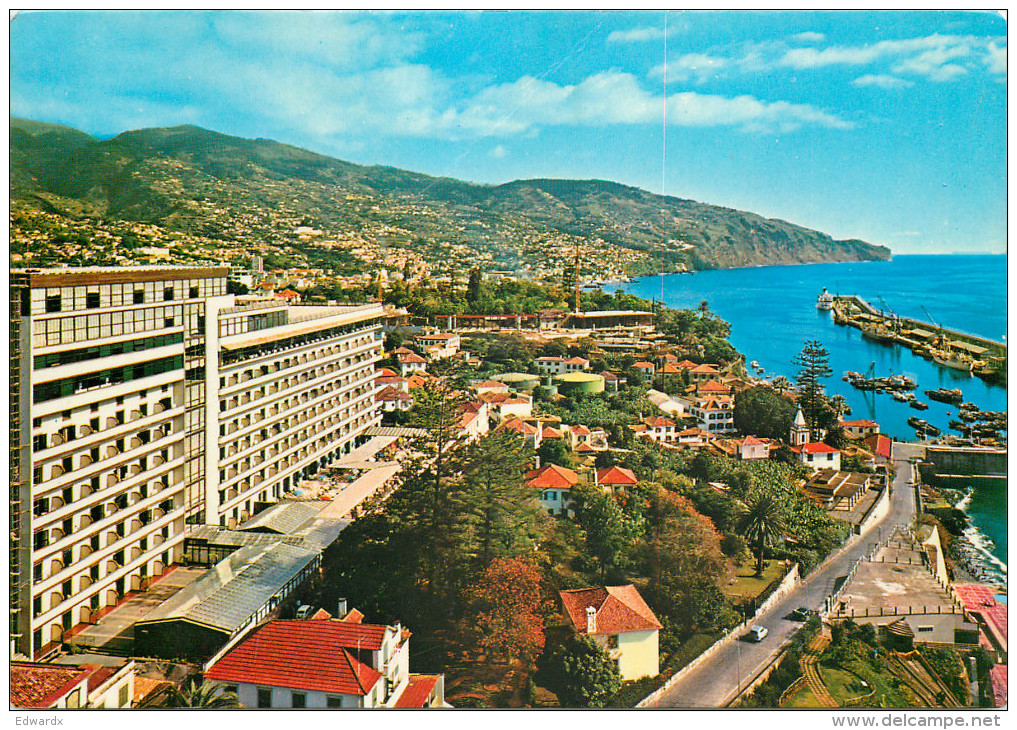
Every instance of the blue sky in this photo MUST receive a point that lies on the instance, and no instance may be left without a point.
(889, 127)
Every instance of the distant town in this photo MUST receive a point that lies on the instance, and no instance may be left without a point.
(241, 486)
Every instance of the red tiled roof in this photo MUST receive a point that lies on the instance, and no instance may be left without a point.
(287, 294)
(863, 423)
(391, 393)
(997, 677)
(752, 441)
(694, 431)
(584, 447)
(620, 609)
(616, 475)
(657, 421)
(551, 433)
(880, 443)
(551, 476)
(401, 351)
(577, 361)
(310, 655)
(491, 384)
(981, 599)
(712, 386)
(704, 368)
(321, 615)
(642, 364)
(580, 430)
(608, 375)
(386, 373)
(816, 447)
(546, 358)
(40, 685)
(518, 425)
(437, 336)
(417, 691)
(686, 364)
(670, 369)
(411, 358)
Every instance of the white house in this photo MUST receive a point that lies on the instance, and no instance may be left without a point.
(555, 484)
(618, 619)
(440, 344)
(859, 429)
(818, 455)
(322, 663)
(657, 428)
(411, 363)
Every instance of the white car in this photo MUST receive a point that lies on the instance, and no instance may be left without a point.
(757, 633)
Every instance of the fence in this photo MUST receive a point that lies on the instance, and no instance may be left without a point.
(790, 580)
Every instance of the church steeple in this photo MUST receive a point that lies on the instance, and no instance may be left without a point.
(799, 430)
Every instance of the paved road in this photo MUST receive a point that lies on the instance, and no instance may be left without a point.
(715, 681)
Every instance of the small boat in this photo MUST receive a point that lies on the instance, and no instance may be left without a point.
(754, 364)
(825, 300)
(918, 405)
(968, 406)
(916, 422)
(944, 395)
(901, 397)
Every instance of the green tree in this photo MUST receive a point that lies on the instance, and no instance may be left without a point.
(761, 411)
(762, 524)
(583, 675)
(473, 285)
(503, 515)
(608, 531)
(813, 365)
(199, 695)
(554, 451)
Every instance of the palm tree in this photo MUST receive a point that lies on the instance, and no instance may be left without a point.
(197, 695)
(761, 523)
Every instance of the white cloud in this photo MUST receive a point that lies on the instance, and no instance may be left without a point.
(499, 152)
(636, 35)
(995, 59)
(694, 65)
(883, 81)
(810, 36)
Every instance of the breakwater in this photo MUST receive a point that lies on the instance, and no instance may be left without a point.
(949, 348)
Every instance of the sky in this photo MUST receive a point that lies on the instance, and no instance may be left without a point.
(888, 127)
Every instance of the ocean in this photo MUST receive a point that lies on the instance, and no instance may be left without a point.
(772, 311)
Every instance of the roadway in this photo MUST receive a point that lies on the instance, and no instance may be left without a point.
(719, 679)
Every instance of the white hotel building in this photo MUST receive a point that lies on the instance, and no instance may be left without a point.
(145, 400)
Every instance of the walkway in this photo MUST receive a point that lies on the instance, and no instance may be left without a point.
(811, 673)
(358, 491)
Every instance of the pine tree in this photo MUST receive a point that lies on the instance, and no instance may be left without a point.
(814, 364)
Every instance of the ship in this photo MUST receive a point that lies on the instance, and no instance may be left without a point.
(943, 395)
(918, 405)
(825, 300)
(876, 334)
(949, 360)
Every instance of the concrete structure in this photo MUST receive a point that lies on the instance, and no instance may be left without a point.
(618, 619)
(150, 399)
(579, 383)
(518, 381)
(321, 663)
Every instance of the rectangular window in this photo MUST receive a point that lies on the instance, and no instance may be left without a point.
(333, 701)
(194, 292)
(92, 300)
(167, 294)
(139, 296)
(53, 303)
(124, 697)
(264, 697)
(299, 699)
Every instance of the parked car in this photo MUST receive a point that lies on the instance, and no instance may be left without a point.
(757, 633)
(801, 613)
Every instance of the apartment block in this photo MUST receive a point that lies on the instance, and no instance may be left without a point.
(149, 400)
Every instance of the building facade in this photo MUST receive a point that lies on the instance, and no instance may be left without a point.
(149, 399)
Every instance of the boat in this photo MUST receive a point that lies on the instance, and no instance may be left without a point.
(944, 395)
(951, 361)
(916, 422)
(918, 405)
(901, 397)
(754, 364)
(825, 300)
(959, 425)
(968, 406)
(878, 335)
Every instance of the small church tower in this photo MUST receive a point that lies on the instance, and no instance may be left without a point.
(799, 430)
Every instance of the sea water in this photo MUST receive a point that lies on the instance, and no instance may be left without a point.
(772, 312)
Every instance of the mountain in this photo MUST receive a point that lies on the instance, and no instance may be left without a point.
(206, 195)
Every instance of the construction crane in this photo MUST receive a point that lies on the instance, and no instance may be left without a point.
(893, 315)
(934, 323)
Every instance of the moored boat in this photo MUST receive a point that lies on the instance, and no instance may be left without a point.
(825, 300)
(945, 395)
(918, 405)
(951, 361)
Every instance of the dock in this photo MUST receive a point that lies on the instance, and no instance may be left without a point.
(984, 357)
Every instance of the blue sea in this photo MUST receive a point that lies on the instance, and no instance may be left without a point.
(772, 311)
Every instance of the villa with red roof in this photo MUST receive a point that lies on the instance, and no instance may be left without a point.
(703, 373)
(745, 449)
(880, 445)
(657, 428)
(818, 455)
(859, 429)
(530, 434)
(325, 663)
(490, 386)
(555, 484)
(73, 681)
(616, 476)
(411, 363)
(394, 399)
(646, 368)
(714, 412)
(618, 619)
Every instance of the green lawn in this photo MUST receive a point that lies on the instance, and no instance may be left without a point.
(748, 585)
(803, 698)
(841, 683)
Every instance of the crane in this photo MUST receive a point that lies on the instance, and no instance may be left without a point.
(893, 315)
(934, 324)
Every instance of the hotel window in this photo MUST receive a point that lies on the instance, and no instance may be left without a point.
(139, 296)
(299, 699)
(167, 294)
(53, 303)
